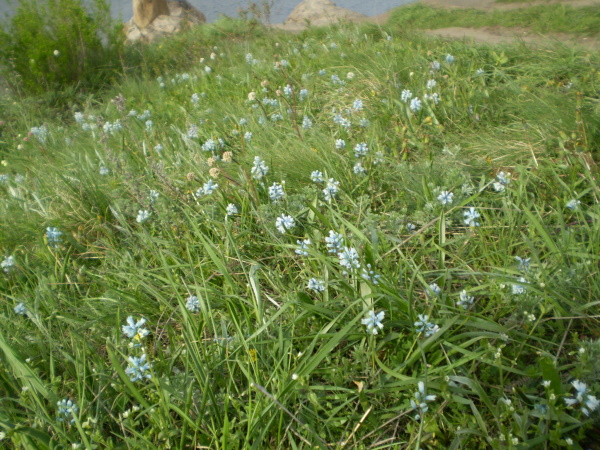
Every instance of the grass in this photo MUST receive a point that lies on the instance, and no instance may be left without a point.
(241, 352)
(555, 18)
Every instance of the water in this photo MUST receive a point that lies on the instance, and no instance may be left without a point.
(213, 9)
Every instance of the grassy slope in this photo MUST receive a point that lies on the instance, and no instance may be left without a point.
(533, 113)
(543, 18)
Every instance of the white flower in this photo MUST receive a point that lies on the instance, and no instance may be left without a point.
(284, 223)
(445, 197)
(373, 321)
(143, 215)
(231, 209)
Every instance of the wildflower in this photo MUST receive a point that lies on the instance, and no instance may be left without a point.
(523, 263)
(193, 132)
(20, 309)
(103, 170)
(67, 409)
(195, 98)
(361, 149)
(303, 94)
(316, 176)
(153, 195)
(503, 180)
(316, 285)
(306, 123)
(479, 72)
(369, 274)
(192, 304)
(276, 192)
(247, 136)
(322, 72)
(378, 158)
(435, 289)
(431, 84)
(207, 69)
(471, 215)
(449, 58)
(411, 227)
(340, 144)
(134, 330)
(335, 242)
(331, 189)
(445, 197)
(435, 65)
(420, 400)
(546, 383)
(231, 209)
(406, 95)
(8, 264)
(41, 133)
(349, 258)
(79, 118)
(208, 188)
(517, 288)
(209, 146)
(284, 223)
(158, 148)
(302, 249)
(465, 300)
(53, 235)
(573, 204)
(275, 117)
(138, 368)
(143, 215)
(373, 321)
(588, 402)
(357, 105)
(287, 90)
(416, 104)
(284, 63)
(424, 326)
(359, 169)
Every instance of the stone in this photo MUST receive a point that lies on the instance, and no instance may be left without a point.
(179, 15)
(318, 13)
(145, 11)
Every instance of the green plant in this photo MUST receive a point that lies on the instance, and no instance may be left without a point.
(53, 44)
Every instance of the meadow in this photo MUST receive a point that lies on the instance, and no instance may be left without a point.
(353, 237)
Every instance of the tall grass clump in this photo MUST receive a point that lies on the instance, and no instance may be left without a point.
(347, 238)
(55, 44)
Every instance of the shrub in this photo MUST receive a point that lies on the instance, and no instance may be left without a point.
(56, 43)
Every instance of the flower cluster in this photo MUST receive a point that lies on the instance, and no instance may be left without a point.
(373, 322)
(582, 397)
(424, 326)
(420, 400)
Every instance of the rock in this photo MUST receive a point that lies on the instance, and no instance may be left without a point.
(318, 13)
(145, 11)
(180, 15)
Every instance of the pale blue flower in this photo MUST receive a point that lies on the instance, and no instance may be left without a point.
(518, 288)
(20, 309)
(361, 149)
(420, 400)
(573, 204)
(331, 189)
(471, 215)
(359, 169)
(145, 115)
(67, 410)
(411, 227)
(431, 84)
(143, 215)
(435, 97)
(195, 98)
(285, 223)
(153, 195)
(369, 274)
(138, 368)
(322, 72)
(79, 118)
(134, 330)
(193, 131)
(247, 136)
(449, 58)
(435, 66)
(207, 189)
(306, 123)
(335, 242)
(284, 63)
(523, 263)
(104, 171)
(209, 146)
(303, 94)
(8, 264)
(276, 192)
(316, 285)
(588, 402)
(340, 144)
(445, 197)
(465, 300)
(287, 90)
(41, 133)
(53, 235)
(406, 95)
(349, 258)
(416, 104)
(503, 180)
(303, 246)
(192, 304)
(357, 105)
(158, 148)
(424, 326)
(276, 117)
(479, 72)
(435, 289)
(231, 209)
(373, 322)
(317, 176)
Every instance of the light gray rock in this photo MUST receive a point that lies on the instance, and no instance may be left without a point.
(319, 13)
(180, 15)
